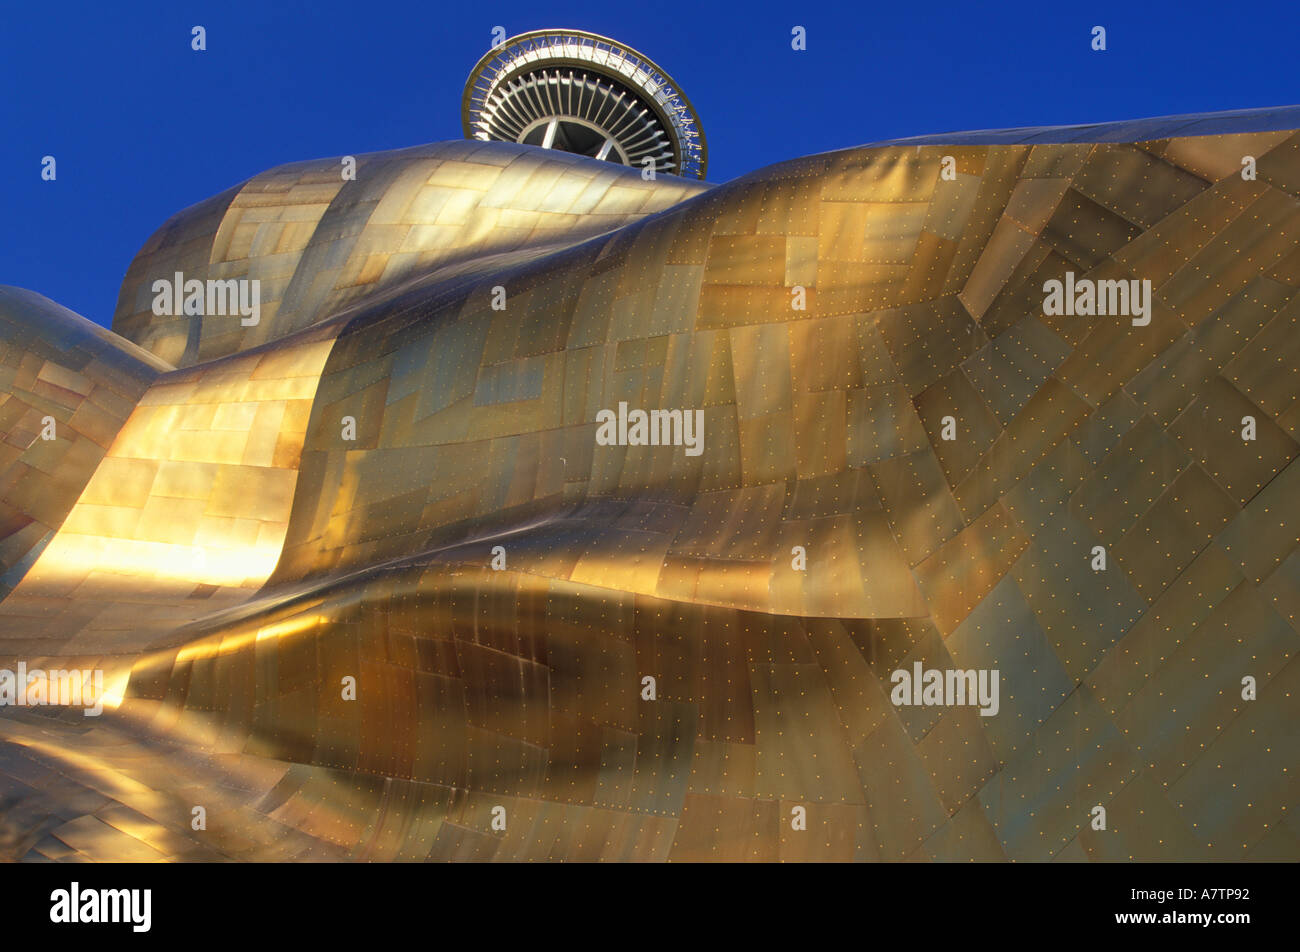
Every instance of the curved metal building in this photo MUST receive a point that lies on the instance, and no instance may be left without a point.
(376, 578)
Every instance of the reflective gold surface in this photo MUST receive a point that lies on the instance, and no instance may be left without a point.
(189, 507)
(233, 557)
(66, 386)
(318, 243)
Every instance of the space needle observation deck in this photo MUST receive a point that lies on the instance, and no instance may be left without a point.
(583, 93)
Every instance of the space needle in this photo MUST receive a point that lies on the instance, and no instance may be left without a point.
(583, 93)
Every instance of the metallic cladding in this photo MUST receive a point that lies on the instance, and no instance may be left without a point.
(235, 557)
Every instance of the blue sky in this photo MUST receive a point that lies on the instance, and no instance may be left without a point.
(141, 126)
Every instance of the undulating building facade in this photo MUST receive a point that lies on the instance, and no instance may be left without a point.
(388, 569)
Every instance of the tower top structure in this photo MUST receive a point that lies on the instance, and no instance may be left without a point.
(584, 93)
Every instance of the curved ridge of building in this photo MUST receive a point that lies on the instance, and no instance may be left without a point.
(318, 242)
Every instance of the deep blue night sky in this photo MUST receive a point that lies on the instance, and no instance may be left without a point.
(141, 126)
